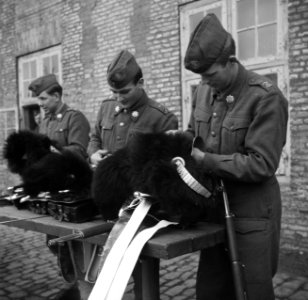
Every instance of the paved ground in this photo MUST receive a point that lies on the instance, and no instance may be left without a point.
(28, 271)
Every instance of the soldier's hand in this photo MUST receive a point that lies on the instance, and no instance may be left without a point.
(198, 155)
(98, 156)
(54, 149)
(172, 131)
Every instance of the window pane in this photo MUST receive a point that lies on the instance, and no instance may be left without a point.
(25, 71)
(55, 64)
(33, 69)
(267, 11)
(25, 89)
(216, 11)
(245, 13)
(246, 44)
(267, 37)
(194, 20)
(46, 66)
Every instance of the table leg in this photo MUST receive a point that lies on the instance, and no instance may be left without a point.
(146, 277)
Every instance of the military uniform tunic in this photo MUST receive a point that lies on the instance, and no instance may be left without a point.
(244, 131)
(69, 128)
(116, 125)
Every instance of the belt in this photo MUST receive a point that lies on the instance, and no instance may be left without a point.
(123, 255)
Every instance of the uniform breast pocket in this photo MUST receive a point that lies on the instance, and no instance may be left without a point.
(62, 135)
(133, 132)
(233, 132)
(202, 123)
(106, 131)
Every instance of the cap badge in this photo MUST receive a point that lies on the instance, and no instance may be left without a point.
(230, 99)
(59, 116)
(135, 114)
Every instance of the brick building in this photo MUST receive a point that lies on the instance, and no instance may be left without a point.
(76, 40)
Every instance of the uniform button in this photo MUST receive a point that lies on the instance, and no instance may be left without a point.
(118, 137)
(213, 133)
(214, 115)
(122, 124)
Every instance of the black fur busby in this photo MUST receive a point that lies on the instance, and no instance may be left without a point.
(145, 165)
(29, 155)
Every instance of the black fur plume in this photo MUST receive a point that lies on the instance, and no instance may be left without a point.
(145, 165)
(28, 154)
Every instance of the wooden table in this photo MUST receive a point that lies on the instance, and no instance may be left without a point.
(169, 243)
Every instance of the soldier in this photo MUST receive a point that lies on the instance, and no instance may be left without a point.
(67, 126)
(129, 112)
(70, 129)
(242, 119)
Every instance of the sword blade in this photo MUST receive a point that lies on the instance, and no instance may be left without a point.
(24, 219)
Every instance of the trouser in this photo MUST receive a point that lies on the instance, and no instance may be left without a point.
(258, 241)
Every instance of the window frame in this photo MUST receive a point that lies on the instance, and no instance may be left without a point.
(7, 130)
(38, 57)
(187, 76)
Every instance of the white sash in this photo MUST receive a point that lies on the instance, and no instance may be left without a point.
(130, 258)
(113, 260)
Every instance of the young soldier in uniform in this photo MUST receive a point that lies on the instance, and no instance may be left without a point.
(67, 126)
(242, 119)
(71, 130)
(130, 110)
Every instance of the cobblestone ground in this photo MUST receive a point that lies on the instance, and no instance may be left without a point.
(28, 271)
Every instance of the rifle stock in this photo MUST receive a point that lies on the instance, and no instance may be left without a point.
(236, 265)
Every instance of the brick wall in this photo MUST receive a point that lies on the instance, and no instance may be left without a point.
(8, 92)
(295, 194)
(90, 37)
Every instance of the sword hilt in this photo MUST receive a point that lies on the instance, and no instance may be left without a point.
(65, 238)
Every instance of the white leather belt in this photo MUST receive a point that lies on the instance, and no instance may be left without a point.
(121, 260)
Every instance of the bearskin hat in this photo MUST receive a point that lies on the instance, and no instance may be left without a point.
(29, 155)
(146, 165)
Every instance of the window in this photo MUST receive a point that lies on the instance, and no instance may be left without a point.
(259, 28)
(8, 124)
(190, 16)
(31, 67)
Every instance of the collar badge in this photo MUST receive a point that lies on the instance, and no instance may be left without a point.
(117, 109)
(230, 99)
(135, 114)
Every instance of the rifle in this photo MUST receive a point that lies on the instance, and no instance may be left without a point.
(236, 265)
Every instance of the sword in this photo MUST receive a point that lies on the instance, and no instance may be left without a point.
(24, 219)
(81, 234)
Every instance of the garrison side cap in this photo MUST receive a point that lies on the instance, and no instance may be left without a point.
(122, 69)
(208, 42)
(43, 83)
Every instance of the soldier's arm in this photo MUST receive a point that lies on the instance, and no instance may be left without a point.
(264, 141)
(95, 143)
(169, 122)
(78, 134)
